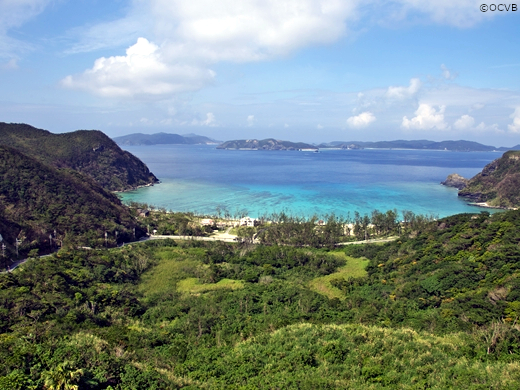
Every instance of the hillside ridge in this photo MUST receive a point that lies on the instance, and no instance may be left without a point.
(43, 207)
(90, 152)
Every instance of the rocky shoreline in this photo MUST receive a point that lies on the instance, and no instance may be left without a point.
(455, 180)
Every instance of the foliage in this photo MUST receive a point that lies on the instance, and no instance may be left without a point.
(44, 207)
(436, 309)
(498, 182)
(91, 153)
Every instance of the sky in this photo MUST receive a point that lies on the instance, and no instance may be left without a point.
(298, 70)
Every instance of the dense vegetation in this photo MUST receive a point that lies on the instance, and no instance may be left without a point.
(43, 208)
(460, 146)
(91, 153)
(498, 183)
(437, 308)
(265, 144)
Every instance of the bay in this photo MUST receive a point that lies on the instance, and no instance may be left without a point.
(201, 178)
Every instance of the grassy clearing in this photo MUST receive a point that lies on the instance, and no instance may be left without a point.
(192, 285)
(354, 268)
(175, 264)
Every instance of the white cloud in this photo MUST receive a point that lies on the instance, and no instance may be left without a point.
(10, 65)
(494, 128)
(459, 13)
(196, 34)
(250, 120)
(404, 92)
(464, 122)
(141, 72)
(361, 120)
(209, 121)
(426, 118)
(14, 13)
(447, 74)
(108, 35)
(319, 127)
(249, 30)
(515, 126)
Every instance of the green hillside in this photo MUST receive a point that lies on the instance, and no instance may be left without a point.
(37, 200)
(265, 144)
(498, 184)
(90, 152)
(438, 309)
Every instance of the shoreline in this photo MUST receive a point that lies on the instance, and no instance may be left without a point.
(487, 206)
(137, 187)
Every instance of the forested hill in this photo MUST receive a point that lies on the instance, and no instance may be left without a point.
(37, 200)
(498, 184)
(459, 146)
(90, 152)
(265, 144)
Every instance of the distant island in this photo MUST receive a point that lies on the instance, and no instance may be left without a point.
(266, 144)
(458, 146)
(273, 144)
(163, 139)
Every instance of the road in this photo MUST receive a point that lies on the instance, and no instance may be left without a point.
(226, 237)
(373, 241)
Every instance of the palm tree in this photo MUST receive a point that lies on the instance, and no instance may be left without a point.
(62, 377)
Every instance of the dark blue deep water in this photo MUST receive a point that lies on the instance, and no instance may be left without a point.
(201, 178)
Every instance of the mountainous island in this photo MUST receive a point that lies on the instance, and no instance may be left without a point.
(89, 152)
(272, 144)
(265, 144)
(459, 146)
(163, 139)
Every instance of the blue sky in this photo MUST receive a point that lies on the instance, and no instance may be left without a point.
(301, 70)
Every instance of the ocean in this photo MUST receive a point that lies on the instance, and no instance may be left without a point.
(202, 179)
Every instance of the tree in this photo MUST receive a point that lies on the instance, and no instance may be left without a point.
(62, 377)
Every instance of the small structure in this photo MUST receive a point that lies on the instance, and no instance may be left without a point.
(143, 212)
(247, 221)
(207, 222)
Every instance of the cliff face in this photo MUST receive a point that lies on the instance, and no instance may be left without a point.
(455, 180)
(498, 184)
(89, 152)
(265, 144)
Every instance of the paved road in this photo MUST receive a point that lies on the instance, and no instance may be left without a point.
(16, 264)
(226, 237)
(373, 241)
(222, 237)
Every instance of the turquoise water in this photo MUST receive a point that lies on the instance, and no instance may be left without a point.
(200, 178)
